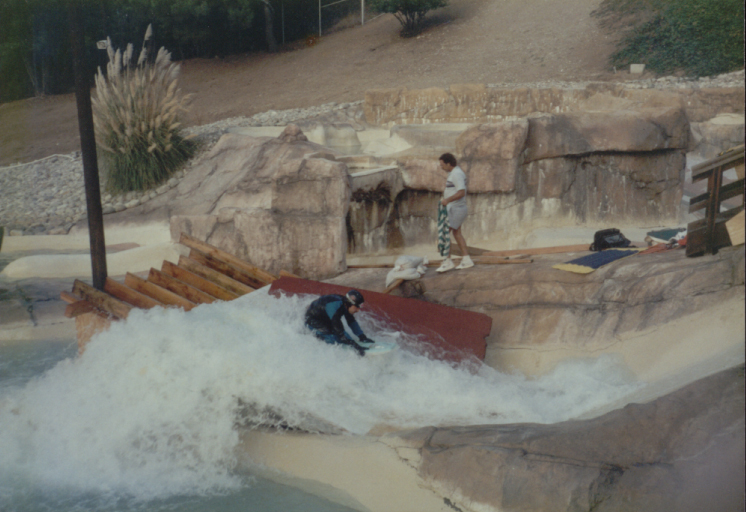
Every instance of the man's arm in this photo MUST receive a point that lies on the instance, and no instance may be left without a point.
(455, 197)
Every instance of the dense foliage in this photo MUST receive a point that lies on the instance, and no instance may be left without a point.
(135, 112)
(410, 13)
(698, 37)
(35, 44)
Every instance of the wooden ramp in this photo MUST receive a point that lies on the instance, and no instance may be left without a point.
(206, 275)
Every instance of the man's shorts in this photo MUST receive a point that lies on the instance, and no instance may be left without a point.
(456, 215)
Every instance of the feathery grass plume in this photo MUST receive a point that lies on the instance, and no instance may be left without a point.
(135, 112)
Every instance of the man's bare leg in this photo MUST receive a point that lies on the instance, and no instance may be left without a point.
(460, 241)
(465, 260)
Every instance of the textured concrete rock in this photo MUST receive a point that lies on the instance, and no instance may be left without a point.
(440, 136)
(476, 103)
(721, 133)
(491, 155)
(280, 204)
(611, 187)
(580, 133)
(423, 174)
(681, 452)
(538, 307)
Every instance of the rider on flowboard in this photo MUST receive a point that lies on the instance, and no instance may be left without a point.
(324, 318)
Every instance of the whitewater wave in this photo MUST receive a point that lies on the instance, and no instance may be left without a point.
(151, 408)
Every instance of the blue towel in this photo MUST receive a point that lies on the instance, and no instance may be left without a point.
(589, 263)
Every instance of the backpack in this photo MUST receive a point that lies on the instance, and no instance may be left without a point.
(607, 239)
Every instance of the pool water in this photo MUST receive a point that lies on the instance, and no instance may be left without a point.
(146, 418)
(24, 361)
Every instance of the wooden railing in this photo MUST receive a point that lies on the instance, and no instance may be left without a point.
(709, 234)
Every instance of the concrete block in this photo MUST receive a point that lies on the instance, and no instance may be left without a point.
(636, 69)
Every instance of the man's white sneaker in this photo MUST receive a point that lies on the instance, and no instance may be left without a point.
(465, 263)
(446, 265)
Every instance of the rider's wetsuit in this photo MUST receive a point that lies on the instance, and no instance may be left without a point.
(324, 318)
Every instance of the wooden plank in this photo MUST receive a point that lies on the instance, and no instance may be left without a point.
(197, 282)
(725, 161)
(69, 297)
(733, 189)
(205, 248)
(78, 308)
(696, 239)
(735, 227)
(226, 268)
(130, 296)
(167, 297)
(393, 286)
(541, 250)
(473, 251)
(216, 277)
(179, 287)
(285, 273)
(486, 260)
(722, 217)
(369, 265)
(89, 324)
(101, 299)
(713, 208)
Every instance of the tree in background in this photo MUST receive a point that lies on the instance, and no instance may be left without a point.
(35, 45)
(410, 13)
(697, 37)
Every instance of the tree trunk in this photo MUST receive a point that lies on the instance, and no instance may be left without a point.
(268, 22)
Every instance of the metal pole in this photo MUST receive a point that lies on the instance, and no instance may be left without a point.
(319, 18)
(282, 14)
(88, 147)
(362, 12)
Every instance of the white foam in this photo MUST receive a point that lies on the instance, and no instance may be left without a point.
(149, 409)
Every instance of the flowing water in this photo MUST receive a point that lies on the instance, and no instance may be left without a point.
(146, 418)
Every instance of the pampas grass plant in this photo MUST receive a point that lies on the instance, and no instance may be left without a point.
(135, 112)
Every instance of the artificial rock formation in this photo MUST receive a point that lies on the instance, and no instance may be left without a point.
(541, 315)
(595, 168)
(478, 103)
(280, 204)
(682, 452)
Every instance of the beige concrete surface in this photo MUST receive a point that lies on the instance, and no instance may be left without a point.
(147, 234)
(359, 472)
(47, 266)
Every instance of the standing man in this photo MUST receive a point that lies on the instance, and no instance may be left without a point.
(454, 200)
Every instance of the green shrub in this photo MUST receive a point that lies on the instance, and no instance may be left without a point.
(410, 13)
(135, 113)
(699, 37)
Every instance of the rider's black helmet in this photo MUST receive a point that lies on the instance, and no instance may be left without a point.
(355, 297)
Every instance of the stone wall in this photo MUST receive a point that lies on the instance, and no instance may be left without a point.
(478, 103)
(578, 168)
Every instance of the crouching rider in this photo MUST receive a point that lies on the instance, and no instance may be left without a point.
(324, 318)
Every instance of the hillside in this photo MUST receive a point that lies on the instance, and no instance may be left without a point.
(471, 41)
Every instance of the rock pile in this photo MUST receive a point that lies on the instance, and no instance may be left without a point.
(48, 196)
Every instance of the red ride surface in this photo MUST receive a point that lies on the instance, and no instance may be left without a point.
(452, 334)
